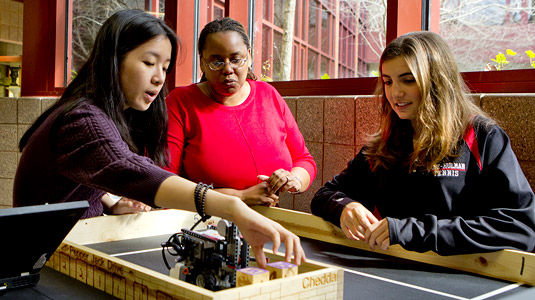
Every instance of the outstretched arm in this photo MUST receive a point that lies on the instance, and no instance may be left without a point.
(177, 192)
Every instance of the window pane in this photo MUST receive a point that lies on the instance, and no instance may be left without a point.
(325, 36)
(277, 46)
(266, 58)
(294, 60)
(363, 43)
(219, 9)
(325, 70)
(88, 16)
(278, 13)
(218, 13)
(313, 23)
(480, 32)
(312, 64)
(296, 19)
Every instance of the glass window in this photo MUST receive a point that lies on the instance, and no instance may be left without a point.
(219, 9)
(325, 68)
(313, 23)
(277, 48)
(278, 13)
(489, 34)
(312, 64)
(316, 28)
(266, 55)
(294, 61)
(88, 16)
(325, 36)
(298, 12)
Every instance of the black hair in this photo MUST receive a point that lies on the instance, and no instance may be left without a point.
(222, 25)
(98, 82)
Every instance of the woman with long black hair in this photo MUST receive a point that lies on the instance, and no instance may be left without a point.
(108, 130)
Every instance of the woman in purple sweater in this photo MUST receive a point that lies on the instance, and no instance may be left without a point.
(107, 134)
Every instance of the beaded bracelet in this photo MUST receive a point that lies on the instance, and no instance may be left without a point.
(200, 196)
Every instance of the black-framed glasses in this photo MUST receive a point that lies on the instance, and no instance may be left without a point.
(218, 65)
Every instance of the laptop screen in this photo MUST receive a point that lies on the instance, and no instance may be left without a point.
(30, 235)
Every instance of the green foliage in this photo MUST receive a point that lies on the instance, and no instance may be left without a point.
(501, 59)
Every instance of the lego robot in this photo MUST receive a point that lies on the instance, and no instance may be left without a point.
(208, 258)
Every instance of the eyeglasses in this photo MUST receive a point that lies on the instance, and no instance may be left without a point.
(218, 65)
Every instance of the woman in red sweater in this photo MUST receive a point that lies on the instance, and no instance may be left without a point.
(233, 131)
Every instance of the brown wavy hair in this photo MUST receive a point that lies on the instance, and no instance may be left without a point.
(443, 115)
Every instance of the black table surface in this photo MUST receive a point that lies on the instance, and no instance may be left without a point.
(367, 275)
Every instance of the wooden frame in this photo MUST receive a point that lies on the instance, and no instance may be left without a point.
(510, 265)
(126, 280)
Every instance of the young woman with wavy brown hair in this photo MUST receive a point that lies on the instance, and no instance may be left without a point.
(439, 173)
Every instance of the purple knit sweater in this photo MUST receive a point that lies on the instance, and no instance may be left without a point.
(80, 157)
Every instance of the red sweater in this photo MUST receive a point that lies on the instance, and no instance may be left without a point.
(230, 145)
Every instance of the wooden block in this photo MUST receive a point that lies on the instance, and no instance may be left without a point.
(281, 269)
(251, 275)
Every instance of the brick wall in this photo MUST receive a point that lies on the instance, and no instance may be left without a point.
(16, 115)
(334, 129)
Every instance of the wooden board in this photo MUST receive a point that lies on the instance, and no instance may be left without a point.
(126, 280)
(510, 265)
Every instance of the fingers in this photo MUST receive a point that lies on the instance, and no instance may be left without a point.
(281, 181)
(258, 195)
(354, 221)
(350, 233)
(292, 245)
(275, 238)
(129, 206)
(271, 200)
(259, 256)
(299, 253)
(263, 177)
(378, 235)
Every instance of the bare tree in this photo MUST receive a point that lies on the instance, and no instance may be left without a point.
(88, 16)
(477, 30)
(287, 39)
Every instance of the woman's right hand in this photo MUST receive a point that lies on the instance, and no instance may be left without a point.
(258, 195)
(255, 195)
(355, 220)
(258, 230)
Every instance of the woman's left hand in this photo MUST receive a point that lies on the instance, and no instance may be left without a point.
(378, 234)
(129, 206)
(281, 181)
